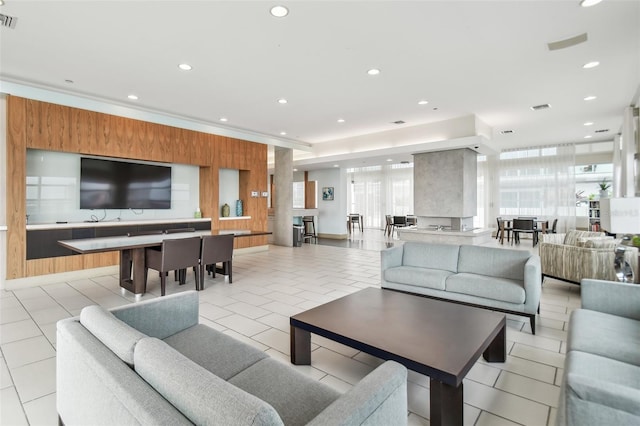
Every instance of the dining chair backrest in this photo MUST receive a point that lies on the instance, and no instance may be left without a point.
(180, 253)
(216, 248)
(354, 217)
(388, 219)
(412, 220)
(523, 225)
(555, 224)
(400, 220)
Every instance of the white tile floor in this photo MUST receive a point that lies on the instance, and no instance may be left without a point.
(268, 287)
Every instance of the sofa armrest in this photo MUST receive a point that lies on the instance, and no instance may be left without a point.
(611, 297)
(163, 316)
(391, 257)
(378, 399)
(532, 282)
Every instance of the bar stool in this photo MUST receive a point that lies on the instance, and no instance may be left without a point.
(309, 228)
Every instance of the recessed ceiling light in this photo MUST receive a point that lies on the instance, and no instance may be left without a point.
(589, 3)
(373, 71)
(283, 133)
(589, 123)
(185, 67)
(279, 11)
(282, 101)
(588, 137)
(133, 97)
(590, 98)
(423, 102)
(340, 120)
(389, 159)
(336, 165)
(591, 64)
(295, 170)
(224, 119)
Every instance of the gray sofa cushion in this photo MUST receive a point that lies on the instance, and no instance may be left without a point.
(433, 256)
(200, 395)
(493, 288)
(604, 334)
(600, 391)
(222, 355)
(422, 277)
(493, 262)
(296, 398)
(113, 333)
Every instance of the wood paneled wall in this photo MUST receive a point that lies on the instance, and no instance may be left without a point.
(41, 125)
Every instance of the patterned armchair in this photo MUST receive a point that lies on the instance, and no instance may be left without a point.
(582, 254)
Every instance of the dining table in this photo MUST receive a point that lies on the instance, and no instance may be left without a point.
(132, 251)
(540, 226)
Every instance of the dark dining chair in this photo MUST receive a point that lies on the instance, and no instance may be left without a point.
(399, 222)
(524, 226)
(388, 224)
(309, 229)
(503, 227)
(216, 248)
(553, 227)
(176, 254)
(355, 218)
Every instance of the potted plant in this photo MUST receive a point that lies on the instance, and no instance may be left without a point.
(604, 188)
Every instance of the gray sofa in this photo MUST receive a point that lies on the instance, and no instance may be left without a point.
(499, 279)
(152, 363)
(601, 382)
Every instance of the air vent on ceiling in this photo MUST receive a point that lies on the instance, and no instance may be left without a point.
(540, 107)
(404, 162)
(568, 42)
(506, 132)
(602, 131)
(8, 21)
(397, 122)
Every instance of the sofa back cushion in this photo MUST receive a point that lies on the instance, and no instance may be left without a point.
(432, 256)
(493, 262)
(599, 242)
(201, 396)
(571, 238)
(112, 332)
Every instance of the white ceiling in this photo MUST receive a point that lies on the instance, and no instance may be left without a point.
(484, 58)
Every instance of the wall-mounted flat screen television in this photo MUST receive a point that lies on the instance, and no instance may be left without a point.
(108, 184)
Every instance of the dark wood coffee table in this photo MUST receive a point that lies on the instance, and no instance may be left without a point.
(439, 339)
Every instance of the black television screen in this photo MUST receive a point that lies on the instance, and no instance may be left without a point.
(107, 184)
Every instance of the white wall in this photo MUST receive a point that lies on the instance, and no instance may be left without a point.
(53, 191)
(332, 215)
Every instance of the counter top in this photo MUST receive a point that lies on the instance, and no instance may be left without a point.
(44, 226)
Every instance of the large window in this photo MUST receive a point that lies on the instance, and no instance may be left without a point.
(377, 191)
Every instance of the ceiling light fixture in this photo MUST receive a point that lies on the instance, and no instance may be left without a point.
(423, 102)
(591, 64)
(133, 97)
(1, 2)
(283, 133)
(389, 159)
(589, 123)
(588, 137)
(340, 120)
(282, 101)
(590, 98)
(589, 3)
(224, 119)
(373, 71)
(335, 165)
(279, 11)
(185, 67)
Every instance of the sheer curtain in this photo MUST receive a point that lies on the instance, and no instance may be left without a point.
(377, 191)
(539, 182)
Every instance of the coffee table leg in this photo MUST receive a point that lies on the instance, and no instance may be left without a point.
(300, 346)
(446, 404)
(497, 350)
